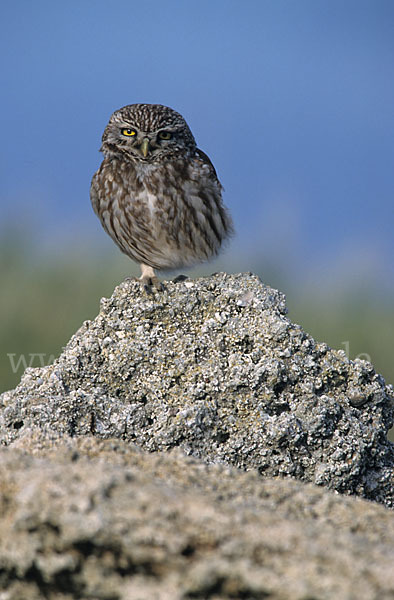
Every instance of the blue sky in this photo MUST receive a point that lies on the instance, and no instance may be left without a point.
(292, 100)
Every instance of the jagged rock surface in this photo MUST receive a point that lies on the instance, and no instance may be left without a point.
(215, 367)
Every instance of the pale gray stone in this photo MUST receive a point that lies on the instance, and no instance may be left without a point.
(103, 520)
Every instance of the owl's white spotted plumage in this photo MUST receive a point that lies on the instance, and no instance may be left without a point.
(156, 194)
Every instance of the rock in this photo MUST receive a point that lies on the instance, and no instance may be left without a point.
(101, 519)
(214, 366)
(213, 369)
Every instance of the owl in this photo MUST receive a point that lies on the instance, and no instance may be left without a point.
(156, 194)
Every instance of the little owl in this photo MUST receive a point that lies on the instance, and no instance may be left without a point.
(156, 194)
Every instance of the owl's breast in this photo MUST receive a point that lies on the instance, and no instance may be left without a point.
(166, 216)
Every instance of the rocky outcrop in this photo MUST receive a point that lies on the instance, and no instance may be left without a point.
(123, 468)
(215, 367)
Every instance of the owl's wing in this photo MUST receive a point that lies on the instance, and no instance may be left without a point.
(95, 196)
(206, 160)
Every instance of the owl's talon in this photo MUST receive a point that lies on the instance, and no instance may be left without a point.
(157, 284)
(148, 288)
(153, 283)
(148, 283)
(149, 279)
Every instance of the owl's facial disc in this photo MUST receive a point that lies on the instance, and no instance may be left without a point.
(147, 133)
(146, 146)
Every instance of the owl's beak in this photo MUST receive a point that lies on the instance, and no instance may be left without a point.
(145, 147)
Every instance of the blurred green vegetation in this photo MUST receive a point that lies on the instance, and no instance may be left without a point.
(45, 299)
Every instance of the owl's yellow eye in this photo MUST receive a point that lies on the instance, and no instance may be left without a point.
(129, 132)
(165, 135)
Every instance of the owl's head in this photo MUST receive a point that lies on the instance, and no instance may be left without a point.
(147, 132)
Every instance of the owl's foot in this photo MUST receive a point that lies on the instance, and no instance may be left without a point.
(149, 280)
